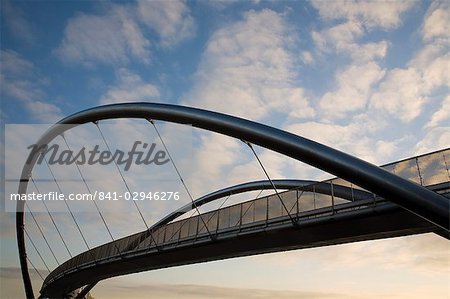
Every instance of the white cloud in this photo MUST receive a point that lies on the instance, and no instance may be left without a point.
(421, 254)
(343, 38)
(20, 80)
(355, 83)
(120, 287)
(369, 51)
(434, 59)
(171, 20)
(213, 158)
(354, 87)
(14, 64)
(400, 94)
(247, 70)
(43, 111)
(110, 38)
(404, 91)
(430, 51)
(436, 73)
(358, 138)
(118, 34)
(16, 22)
(136, 40)
(130, 88)
(435, 139)
(437, 22)
(24, 90)
(383, 14)
(338, 37)
(307, 57)
(403, 252)
(442, 115)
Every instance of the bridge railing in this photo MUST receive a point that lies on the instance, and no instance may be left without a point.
(316, 200)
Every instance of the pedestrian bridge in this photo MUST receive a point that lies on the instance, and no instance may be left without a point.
(363, 202)
(308, 214)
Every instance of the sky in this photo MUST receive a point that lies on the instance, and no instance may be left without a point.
(369, 78)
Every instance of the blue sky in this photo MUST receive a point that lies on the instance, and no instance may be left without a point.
(368, 78)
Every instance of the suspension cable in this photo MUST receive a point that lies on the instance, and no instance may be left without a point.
(126, 185)
(121, 175)
(180, 177)
(252, 203)
(35, 248)
(35, 269)
(51, 218)
(271, 182)
(67, 205)
(216, 212)
(220, 206)
(297, 198)
(42, 233)
(446, 165)
(259, 194)
(183, 224)
(89, 190)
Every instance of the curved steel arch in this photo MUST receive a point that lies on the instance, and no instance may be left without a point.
(410, 196)
(338, 191)
(304, 185)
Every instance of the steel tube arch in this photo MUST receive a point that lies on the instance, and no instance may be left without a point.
(305, 185)
(412, 197)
